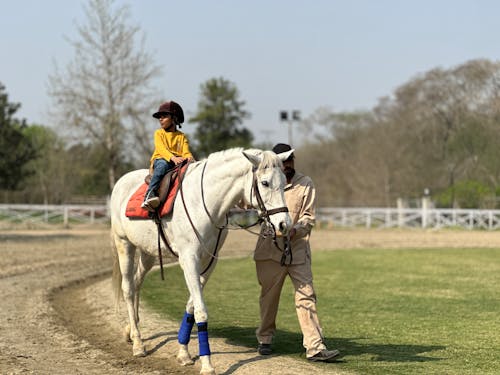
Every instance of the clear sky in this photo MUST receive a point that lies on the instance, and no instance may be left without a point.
(281, 54)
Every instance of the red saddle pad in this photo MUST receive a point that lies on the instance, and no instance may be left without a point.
(134, 209)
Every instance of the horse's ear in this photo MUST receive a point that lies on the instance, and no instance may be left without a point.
(252, 158)
(285, 155)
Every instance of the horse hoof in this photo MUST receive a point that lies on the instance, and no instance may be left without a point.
(126, 335)
(185, 361)
(139, 351)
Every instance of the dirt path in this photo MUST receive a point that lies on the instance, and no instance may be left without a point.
(57, 315)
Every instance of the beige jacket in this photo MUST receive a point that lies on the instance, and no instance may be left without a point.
(300, 196)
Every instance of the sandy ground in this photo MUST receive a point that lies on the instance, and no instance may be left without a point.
(57, 314)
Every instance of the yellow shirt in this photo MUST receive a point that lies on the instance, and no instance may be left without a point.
(168, 144)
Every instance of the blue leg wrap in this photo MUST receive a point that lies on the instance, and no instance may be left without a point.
(203, 339)
(186, 328)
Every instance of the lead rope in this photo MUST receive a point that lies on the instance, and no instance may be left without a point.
(286, 252)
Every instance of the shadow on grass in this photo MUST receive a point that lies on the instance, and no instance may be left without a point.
(290, 343)
(384, 352)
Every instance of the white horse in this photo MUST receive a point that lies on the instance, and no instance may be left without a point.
(195, 231)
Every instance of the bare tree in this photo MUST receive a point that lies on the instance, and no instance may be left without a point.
(106, 91)
(437, 131)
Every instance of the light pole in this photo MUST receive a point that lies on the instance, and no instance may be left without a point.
(285, 116)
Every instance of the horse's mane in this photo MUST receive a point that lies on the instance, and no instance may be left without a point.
(269, 158)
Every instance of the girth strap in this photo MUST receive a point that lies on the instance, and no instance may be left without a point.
(161, 234)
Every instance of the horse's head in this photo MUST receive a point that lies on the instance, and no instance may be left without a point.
(267, 193)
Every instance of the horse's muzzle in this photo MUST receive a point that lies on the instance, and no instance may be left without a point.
(283, 229)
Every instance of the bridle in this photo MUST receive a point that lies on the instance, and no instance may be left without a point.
(265, 214)
(269, 229)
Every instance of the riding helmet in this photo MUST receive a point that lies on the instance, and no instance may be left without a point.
(173, 108)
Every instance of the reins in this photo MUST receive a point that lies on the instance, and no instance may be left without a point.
(263, 217)
(198, 235)
(203, 200)
(161, 232)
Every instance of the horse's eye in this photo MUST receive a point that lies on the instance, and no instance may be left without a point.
(265, 183)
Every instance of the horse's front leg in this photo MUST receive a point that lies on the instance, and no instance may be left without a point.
(144, 265)
(184, 335)
(126, 253)
(195, 312)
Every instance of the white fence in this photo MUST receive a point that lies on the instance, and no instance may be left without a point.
(409, 217)
(54, 214)
(338, 217)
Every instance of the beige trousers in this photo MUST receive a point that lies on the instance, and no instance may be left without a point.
(271, 276)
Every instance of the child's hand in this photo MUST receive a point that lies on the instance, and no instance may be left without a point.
(177, 159)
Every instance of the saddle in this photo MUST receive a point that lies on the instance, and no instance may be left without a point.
(166, 192)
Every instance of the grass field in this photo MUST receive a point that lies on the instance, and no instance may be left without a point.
(432, 311)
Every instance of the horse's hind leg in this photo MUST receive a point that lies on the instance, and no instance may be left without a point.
(126, 253)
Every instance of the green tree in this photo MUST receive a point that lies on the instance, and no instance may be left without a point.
(63, 174)
(466, 194)
(219, 117)
(89, 173)
(49, 183)
(15, 148)
(105, 95)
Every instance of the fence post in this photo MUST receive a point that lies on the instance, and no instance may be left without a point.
(400, 212)
(425, 211)
(66, 215)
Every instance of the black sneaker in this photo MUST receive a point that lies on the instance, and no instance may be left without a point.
(324, 356)
(264, 349)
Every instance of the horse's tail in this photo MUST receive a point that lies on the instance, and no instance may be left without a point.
(117, 274)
